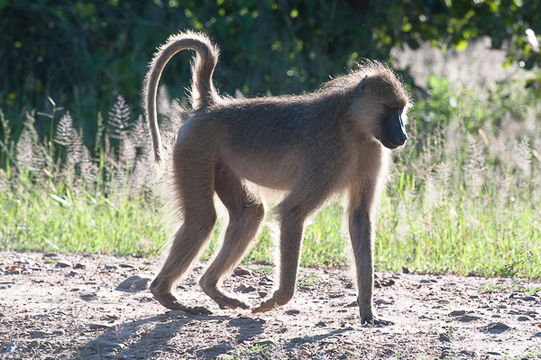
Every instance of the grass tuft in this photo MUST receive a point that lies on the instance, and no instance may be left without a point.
(462, 198)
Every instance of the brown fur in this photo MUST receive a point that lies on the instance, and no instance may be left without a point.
(311, 146)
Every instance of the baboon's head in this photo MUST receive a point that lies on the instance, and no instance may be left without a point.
(380, 105)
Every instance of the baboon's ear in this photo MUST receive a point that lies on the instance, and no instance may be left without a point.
(359, 88)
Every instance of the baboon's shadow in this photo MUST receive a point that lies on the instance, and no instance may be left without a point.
(117, 341)
(298, 341)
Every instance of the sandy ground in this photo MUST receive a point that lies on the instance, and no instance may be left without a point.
(56, 306)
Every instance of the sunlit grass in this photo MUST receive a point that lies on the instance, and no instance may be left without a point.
(462, 197)
(456, 237)
(461, 236)
(62, 221)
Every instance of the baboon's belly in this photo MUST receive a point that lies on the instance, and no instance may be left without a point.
(272, 171)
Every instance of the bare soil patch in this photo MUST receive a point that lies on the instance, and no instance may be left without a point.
(55, 306)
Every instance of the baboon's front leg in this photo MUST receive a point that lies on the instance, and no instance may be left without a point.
(290, 244)
(362, 240)
(307, 194)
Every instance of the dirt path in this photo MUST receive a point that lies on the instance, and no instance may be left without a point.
(70, 306)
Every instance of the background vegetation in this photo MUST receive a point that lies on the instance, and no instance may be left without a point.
(83, 53)
(75, 171)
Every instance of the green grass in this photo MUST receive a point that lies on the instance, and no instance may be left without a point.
(475, 240)
(40, 219)
(460, 236)
(463, 197)
(491, 288)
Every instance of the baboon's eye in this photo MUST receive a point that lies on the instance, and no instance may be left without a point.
(393, 108)
(389, 110)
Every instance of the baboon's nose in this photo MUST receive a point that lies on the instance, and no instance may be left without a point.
(402, 140)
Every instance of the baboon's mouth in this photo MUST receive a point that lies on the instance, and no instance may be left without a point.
(391, 145)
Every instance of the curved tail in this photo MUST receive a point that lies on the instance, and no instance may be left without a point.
(203, 92)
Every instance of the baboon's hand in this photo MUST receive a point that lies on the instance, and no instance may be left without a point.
(278, 298)
(266, 305)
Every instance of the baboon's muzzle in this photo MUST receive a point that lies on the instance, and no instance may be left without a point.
(394, 132)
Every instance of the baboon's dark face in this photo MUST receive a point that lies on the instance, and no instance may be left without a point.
(381, 104)
(393, 132)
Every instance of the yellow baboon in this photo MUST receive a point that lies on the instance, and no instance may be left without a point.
(312, 145)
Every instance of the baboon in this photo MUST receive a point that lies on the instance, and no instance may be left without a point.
(311, 146)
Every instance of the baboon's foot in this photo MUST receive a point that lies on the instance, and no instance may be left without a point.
(171, 302)
(376, 322)
(369, 318)
(225, 301)
(277, 299)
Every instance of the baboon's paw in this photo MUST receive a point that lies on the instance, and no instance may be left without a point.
(225, 301)
(280, 297)
(168, 300)
(376, 322)
(369, 318)
(171, 302)
(266, 306)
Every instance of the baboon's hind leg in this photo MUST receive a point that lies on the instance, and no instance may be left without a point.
(246, 212)
(194, 183)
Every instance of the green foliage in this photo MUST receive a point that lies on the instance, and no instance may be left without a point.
(323, 241)
(462, 200)
(81, 53)
(308, 280)
(255, 350)
(494, 288)
(466, 198)
(463, 197)
(57, 218)
(262, 252)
